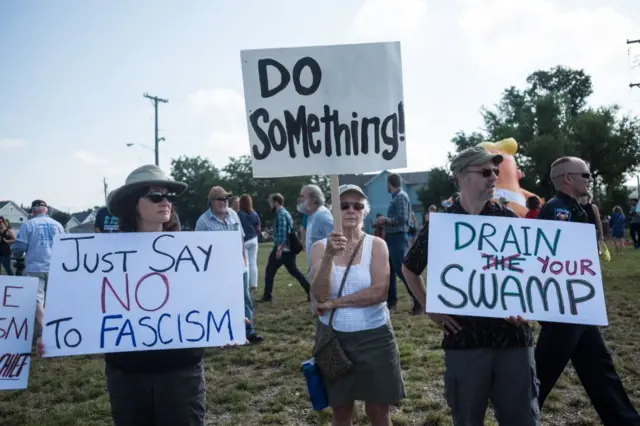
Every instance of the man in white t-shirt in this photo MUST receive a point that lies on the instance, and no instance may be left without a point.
(35, 237)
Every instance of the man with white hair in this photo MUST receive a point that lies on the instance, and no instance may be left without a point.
(35, 237)
(311, 202)
(486, 359)
(582, 344)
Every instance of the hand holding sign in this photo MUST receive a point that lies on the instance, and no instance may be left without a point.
(336, 244)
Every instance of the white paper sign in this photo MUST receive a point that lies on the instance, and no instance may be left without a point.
(325, 109)
(497, 267)
(18, 297)
(144, 291)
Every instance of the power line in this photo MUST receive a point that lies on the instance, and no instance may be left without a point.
(156, 141)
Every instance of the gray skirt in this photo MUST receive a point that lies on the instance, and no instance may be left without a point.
(376, 376)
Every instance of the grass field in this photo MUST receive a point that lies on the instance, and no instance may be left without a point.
(262, 385)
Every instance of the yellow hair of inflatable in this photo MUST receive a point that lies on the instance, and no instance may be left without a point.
(506, 146)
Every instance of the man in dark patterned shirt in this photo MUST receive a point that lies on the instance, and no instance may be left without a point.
(485, 358)
(396, 232)
(281, 255)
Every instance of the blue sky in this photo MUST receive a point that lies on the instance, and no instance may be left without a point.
(73, 73)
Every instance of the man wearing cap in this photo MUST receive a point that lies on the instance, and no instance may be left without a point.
(485, 358)
(105, 222)
(219, 217)
(35, 237)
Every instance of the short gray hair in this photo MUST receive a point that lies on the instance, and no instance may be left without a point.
(315, 193)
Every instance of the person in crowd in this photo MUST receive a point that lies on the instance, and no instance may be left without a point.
(35, 237)
(533, 207)
(105, 223)
(360, 316)
(617, 223)
(582, 344)
(396, 229)
(303, 228)
(593, 214)
(156, 387)
(319, 222)
(412, 229)
(486, 359)
(251, 225)
(378, 226)
(425, 221)
(234, 202)
(281, 254)
(219, 217)
(634, 225)
(7, 238)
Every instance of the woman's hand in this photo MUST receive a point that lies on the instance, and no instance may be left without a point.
(336, 244)
(231, 345)
(321, 308)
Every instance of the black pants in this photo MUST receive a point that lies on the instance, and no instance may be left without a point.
(584, 346)
(287, 259)
(634, 230)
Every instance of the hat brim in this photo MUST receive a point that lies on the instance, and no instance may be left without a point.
(354, 191)
(114, 201)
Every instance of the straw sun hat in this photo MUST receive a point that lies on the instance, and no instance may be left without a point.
(143, 176)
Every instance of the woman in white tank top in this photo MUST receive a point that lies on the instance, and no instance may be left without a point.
(361, 318)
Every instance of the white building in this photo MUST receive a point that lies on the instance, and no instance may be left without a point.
(13, 213)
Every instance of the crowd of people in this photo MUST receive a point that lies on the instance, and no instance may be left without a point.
(350, 282)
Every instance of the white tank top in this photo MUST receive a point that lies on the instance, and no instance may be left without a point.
(359, 278)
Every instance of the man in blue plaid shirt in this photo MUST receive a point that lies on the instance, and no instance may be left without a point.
(281, 255)
(396, 228)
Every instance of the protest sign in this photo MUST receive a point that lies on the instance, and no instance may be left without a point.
(498, 267)
(325, 109)
(144, 291)
(18, 297)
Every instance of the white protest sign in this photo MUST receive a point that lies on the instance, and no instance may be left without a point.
(497, 267)
(325, 109)
(18, 297)
(144, 291)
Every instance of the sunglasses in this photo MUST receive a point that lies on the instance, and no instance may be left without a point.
(156, 197)
(584, 175)
(357, 205)
(486, 172)
(221, 199)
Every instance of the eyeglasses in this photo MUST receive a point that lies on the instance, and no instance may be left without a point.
(486, 172)
(357, 205)
(585, 175)
(156, 197)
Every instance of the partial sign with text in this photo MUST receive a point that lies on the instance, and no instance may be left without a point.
(325, 109)
(18, 297)
(144, 291)
(497, 267)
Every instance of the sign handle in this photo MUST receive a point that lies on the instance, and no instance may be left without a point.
(335, 203)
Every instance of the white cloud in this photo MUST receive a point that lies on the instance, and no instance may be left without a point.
(89, 159)
(216, 100)
(12, 143)
(388, 20)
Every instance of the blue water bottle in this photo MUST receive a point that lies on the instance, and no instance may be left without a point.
(315, 385)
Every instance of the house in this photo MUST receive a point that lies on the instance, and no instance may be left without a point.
(13, 213)
(375, 186)
(82, 218)
(85, 228)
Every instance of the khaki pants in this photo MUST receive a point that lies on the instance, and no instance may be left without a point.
(43, 279)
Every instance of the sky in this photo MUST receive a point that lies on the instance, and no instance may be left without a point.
(73, 75)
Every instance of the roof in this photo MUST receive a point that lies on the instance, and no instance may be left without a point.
(85, 228)
(410, 178)
(80, 217)
(4, 203)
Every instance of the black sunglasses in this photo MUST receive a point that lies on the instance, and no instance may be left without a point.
(156, 197)
(221, 199)
(486, 172)
(357, 205)
(584, 175)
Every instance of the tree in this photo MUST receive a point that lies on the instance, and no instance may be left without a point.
(439, 187)
(61, 217)
(200, 174)
(549, 119)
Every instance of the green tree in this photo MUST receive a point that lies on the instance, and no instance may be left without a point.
(200, 174)
(61, 217)
(439, 187)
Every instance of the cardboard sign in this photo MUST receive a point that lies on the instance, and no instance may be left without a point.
(18, 297)
(325, 109)
(144, 291)
(498, 267)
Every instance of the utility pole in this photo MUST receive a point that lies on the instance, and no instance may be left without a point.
(156, 142)
(105, 187)
(631, 85)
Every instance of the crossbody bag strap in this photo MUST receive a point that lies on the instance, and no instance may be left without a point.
(344, 278)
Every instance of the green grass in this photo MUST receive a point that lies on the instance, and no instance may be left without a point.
(262, 385)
